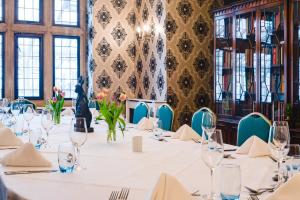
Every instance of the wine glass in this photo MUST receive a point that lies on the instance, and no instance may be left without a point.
(92, 107)
(78, 136)
(212, 152)
(28, 114)
(74, 104)
(278, 140)
(47, 123)
(5, 105)
(15, 108)
(209, 123)
(158, 128)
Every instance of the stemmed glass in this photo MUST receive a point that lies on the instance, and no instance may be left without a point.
(74, 104)
(78, 136)
(15, 109)
(92, 107)
(278, 141)
(47, 123)
(212, 152)
(5, 105)
(209, 123)
(28, 114)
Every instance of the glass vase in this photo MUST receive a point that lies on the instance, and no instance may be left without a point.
(56, 117)
(111, 133)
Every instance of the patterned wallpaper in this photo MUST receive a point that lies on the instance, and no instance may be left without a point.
(189, 60)
(173, 62)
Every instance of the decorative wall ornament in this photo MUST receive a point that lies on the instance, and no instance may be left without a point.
(170, 26)
(138, 4)
(153, 94)
(185, 116)
(201, 64)
(146, 49)
(103, 49)
(170, 63)
(119, 66)
(92, 65)
(146, 82)
(172, 98)
(159, 10)
(132, 82)
(103, 16)
(131, 51)
(119, 5)
(145, 15)
(119, 34)
(104, 80)
(131, 19)
(152, 65)
(140, 94)
(139, 66)
(160, 46)
(185, 45)
(185, 10)
(186, 82)
(202, 99)
(200, 28)
(160, 82)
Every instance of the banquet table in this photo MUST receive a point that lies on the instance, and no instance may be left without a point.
(112, 166)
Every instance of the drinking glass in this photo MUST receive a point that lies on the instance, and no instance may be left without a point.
(78, 137)
(15, 108)
(74, 104)
(36, 138)
(28, 114)
(292, 164)
(212, 152)
(66, 157)
(47, 123)
(209, 123)
(92, 107)
(158, 128)
(278, 140)
(5, 105)
(230, 182)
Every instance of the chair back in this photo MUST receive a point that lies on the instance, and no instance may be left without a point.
(197, 120)
(141, 110)
(23, 102)
(253, 124)
(166, 115)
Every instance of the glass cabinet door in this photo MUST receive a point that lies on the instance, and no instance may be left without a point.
(245, 63)
(296, 52)
(272, 61)
(223, 66)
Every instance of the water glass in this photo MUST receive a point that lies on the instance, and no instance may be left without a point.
(15, 108)
(5, 105)
(158, 128)
(47, 122)
(78, 136)
(36, 138)
(209, 123)
(230, 182)
(66, 157)
(28, 114)
(74, 104)
(212, 152)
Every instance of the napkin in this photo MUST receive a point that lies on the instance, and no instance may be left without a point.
(254, 147)
(67, 112)
(145, 124)
(25, 156)
(168, 187)
(185, 132)
(8, 138)
(288, 191)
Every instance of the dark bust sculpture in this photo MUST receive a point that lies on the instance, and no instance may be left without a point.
(82, 108)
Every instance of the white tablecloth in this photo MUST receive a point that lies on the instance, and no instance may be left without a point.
(113, 166)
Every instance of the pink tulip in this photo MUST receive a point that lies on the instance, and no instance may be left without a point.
(122, 97)
(101, 96)
(54, 99)
(63, 94)
(54, 89)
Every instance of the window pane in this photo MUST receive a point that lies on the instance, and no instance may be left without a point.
(1, 10)
(66, 12)
(29, 10)
(28, 66)
(66, 64)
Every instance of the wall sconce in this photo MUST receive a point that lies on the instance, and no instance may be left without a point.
(143, 32)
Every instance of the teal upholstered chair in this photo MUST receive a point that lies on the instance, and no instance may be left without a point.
(22, 102)
(166, 115)
(141, 110)
(197, 119)
(253, 124)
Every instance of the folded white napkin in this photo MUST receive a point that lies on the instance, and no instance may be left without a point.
(67, 112)
(146, 124)
(25, 156)
(288, 191)
(254, 147)
(8, 138)
(185, 132)
(169, 188)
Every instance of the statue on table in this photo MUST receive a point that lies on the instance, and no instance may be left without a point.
(82, 108)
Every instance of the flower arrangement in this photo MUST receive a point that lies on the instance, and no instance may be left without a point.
(57, 103)
(110, 112)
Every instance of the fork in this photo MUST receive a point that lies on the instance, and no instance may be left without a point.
(124, 194)
(114, 195)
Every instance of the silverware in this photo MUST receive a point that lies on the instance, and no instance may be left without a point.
(254, 197)
(259, 191)
(124, 194)
(230, 149)
(273, 159)
(29, 172)
(196, 141)
(228, 156)
(195, 194)
(5, 148)
(114, 195)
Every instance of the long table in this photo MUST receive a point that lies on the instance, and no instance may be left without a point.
(112, 166)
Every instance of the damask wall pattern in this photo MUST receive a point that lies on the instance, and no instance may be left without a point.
(151, 50)
(189, 58)
(112, 46)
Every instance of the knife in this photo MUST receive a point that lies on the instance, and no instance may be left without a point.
(29, 172)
